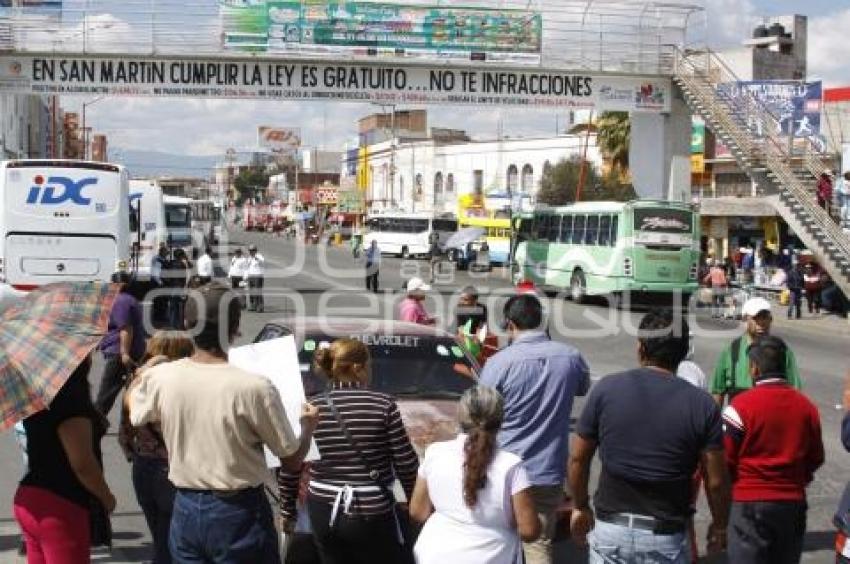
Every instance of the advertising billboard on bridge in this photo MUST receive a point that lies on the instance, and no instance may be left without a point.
(796, 105)
(251, 78)
(328, 27)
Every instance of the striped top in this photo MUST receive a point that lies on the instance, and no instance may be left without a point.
(374, 422)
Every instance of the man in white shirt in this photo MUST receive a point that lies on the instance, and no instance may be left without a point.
(255, 271)
(238, 266)
(205, 266)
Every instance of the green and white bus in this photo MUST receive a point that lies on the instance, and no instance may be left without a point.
(609, 248)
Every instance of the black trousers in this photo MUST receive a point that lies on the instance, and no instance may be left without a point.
(111, 383)
(371, 278)
(766, 532)
(235, 282)
(813, 300)
(255, 293)
(356, 539)
(795, 304)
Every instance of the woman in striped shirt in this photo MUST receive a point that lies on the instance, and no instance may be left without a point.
(364, 447)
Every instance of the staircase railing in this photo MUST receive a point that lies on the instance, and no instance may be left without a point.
(753, 129)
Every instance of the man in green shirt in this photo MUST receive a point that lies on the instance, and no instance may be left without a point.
(732, 372)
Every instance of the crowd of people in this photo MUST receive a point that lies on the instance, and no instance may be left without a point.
(194, 427)
(791, 276)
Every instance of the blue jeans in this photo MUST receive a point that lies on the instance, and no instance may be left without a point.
(617, 544)
(215, 529)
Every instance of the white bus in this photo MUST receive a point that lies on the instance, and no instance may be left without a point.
(147, 201)
(178, 224)
(203, 222)
(61, 221)
(407, 234)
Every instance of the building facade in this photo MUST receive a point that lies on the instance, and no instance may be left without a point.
(429, 174)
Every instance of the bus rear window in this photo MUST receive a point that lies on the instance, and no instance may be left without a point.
(663, 220)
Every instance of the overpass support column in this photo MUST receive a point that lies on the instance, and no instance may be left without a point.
(660, 152)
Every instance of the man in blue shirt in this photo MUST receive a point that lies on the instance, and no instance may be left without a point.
(539, 379)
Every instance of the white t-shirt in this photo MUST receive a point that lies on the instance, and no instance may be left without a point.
(256, 265)
(238, 265)
(205, 266)
(456, 533)
(691, 372)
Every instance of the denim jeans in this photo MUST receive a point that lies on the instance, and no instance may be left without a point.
(618, 544)
(155, 495)
(215, 529)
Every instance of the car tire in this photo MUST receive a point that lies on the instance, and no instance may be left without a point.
(578, 287)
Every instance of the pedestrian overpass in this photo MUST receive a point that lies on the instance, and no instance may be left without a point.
(521, 55)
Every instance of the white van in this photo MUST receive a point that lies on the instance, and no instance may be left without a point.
(147, 201)
(61, 221)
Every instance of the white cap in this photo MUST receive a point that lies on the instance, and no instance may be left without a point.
(417, 285)
(754, 306)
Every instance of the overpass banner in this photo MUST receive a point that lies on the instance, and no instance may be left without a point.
(252, 78)
(377, 28)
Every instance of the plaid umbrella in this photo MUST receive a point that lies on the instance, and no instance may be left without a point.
(44, 338)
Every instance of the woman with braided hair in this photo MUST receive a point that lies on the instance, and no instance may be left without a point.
(473, 497)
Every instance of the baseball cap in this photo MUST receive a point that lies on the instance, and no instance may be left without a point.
(209, 305)
(416, 284)
(754, 306)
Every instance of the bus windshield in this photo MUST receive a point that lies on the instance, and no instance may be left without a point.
(178, 216)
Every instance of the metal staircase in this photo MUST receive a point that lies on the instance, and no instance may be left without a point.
(749, 130)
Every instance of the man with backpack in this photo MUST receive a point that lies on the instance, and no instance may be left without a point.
(732, 372)
(795, 282)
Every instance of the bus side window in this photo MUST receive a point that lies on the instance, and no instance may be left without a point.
(566, 229)
(541, 222)
(605, 231)
(614, 226)
(592, 232)
(554, 228)
(578, 230)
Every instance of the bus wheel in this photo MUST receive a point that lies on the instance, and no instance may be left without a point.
(578, 287)
(405, 253)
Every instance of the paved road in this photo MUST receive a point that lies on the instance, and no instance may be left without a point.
(325, 280)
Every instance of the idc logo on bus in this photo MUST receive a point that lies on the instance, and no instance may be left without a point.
(58, 190)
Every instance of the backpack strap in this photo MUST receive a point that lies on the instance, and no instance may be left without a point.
(731, 378)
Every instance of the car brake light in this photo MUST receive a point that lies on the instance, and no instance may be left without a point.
(627, 267)
(25, 287)
(692, 273)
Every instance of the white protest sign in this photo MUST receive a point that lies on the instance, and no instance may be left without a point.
(277, 360)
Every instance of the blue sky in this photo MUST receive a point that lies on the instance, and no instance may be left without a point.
(209, 127)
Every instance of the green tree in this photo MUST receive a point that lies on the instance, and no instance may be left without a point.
(251, 183)
(613, 133)
(559, 185)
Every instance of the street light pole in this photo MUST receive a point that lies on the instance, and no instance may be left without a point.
(85, 131)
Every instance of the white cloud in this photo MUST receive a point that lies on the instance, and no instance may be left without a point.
(729, 21)
(829, 48)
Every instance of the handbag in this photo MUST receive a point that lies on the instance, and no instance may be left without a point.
(402, 519)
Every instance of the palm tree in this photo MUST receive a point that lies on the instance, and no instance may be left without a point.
(613, 134)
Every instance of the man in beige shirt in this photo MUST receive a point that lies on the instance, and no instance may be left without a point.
(215, 419)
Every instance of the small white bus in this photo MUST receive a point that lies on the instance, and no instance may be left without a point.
(407, 234)
(61, 221)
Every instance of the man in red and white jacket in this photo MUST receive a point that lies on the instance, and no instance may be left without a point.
(773, 444)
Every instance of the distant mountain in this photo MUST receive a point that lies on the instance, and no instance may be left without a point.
(155, 163)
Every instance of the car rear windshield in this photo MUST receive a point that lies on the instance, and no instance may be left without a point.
(405, 366)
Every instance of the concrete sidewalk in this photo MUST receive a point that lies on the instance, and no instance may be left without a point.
(816, 323)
